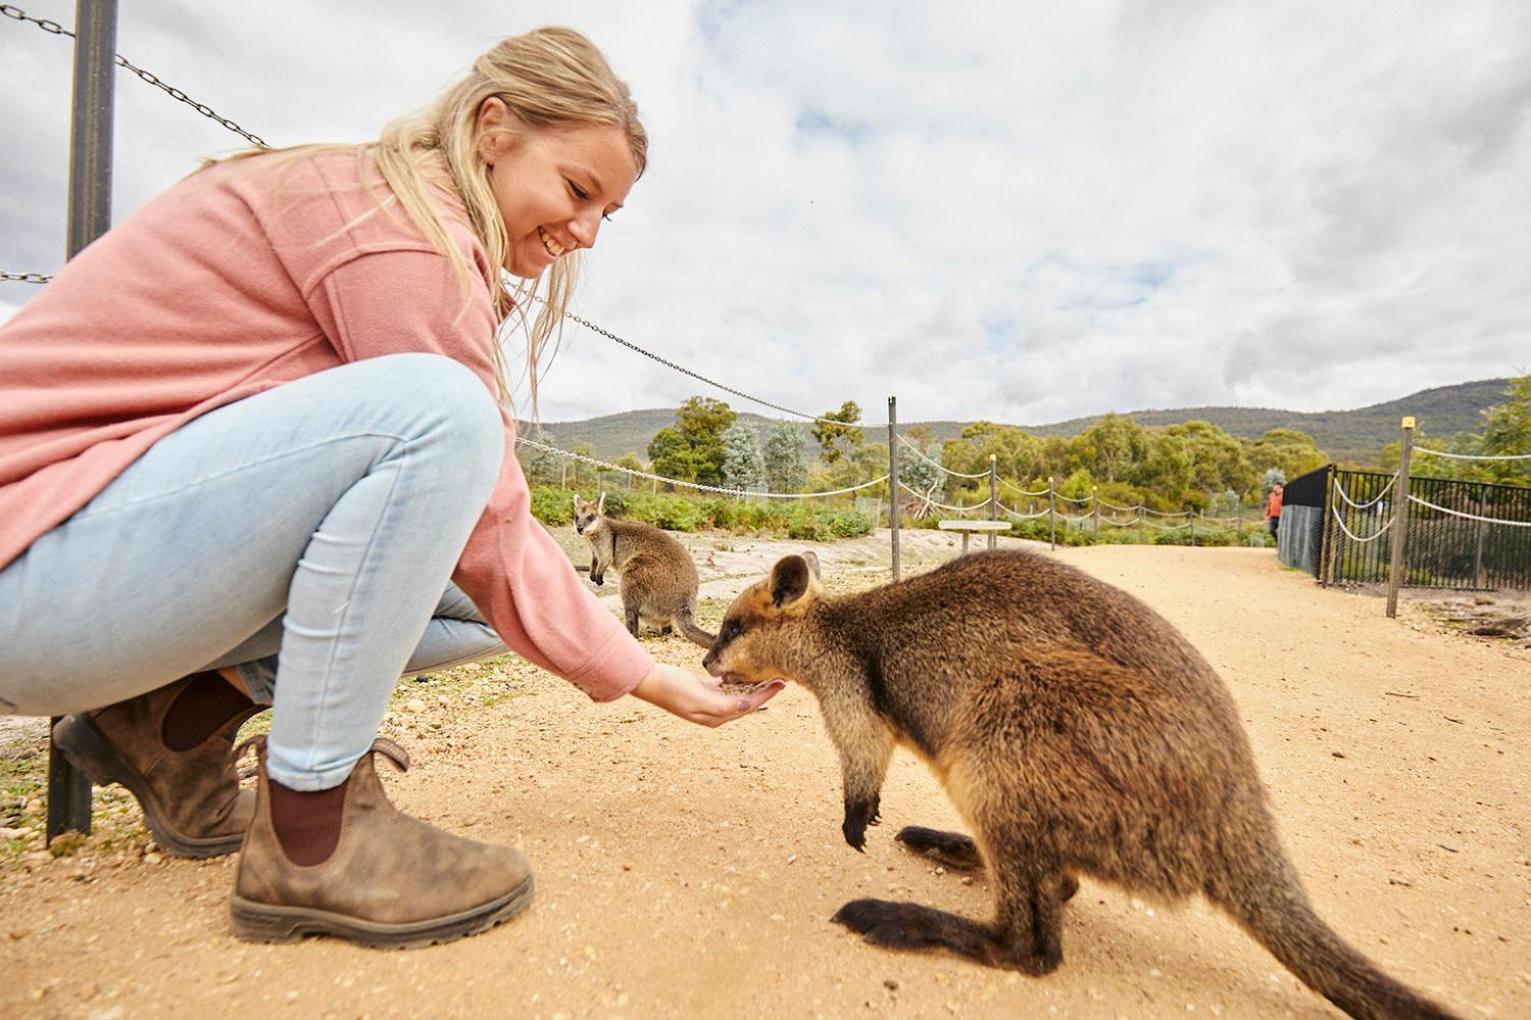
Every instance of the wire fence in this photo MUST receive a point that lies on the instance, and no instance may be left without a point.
(1457, 534)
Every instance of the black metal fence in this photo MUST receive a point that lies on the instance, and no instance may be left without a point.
(1451, 538)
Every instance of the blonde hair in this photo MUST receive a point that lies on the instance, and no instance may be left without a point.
(548, 77)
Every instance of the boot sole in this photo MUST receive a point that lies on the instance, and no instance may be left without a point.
(92, 754)
(260, 922)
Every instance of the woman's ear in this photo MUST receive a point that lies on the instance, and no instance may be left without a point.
(493, 127)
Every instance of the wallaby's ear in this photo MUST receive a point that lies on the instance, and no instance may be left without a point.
(576, 502)
(789, 580)
(601, 504)
(812, 559)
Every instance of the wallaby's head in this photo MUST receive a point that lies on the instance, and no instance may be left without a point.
(586, 514)
(740, 650)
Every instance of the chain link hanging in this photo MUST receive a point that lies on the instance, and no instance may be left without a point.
(54, 28)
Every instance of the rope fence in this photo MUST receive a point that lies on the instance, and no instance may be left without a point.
(1472, 456)
(719, 489)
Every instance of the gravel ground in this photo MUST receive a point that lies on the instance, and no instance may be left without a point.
(687, 872)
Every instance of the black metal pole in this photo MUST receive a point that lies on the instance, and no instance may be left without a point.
(90, 215)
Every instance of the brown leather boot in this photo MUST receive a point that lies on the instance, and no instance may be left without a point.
(191, 799)
(391, 882)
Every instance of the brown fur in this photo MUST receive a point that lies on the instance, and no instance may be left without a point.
(1077, 732)
(657, 578)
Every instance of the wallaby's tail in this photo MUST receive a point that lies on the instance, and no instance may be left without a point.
(1262, 892)
(689, 628)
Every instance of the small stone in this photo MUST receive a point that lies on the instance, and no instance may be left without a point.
(10, 833)
(414, 705)
(890, 984)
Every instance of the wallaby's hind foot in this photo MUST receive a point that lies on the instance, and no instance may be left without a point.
(913, 926)
(952, 849)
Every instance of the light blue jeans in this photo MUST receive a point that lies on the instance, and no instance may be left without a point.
(306, 534)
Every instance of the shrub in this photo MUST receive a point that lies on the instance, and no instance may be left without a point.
(553, 506)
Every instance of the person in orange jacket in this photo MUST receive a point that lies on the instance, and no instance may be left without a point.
(1273, 509)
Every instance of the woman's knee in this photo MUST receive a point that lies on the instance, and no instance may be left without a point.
(448, 403)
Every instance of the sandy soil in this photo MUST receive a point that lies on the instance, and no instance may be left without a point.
(686, 872)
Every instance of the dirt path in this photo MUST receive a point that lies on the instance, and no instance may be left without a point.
(684, 872)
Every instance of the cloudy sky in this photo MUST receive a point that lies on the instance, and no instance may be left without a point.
(1022, 211)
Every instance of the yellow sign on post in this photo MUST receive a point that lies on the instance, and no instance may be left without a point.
(1408, 421)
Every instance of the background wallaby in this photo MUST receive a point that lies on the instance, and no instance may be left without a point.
(1077, 733)
(657, 577)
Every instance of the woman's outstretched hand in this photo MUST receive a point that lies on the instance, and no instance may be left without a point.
(699, 699)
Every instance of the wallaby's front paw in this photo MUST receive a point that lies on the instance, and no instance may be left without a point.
(858, 815)
(597, 579)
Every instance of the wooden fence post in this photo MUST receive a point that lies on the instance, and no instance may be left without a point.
(1095, 507)
(1479, 581)
(1192, 519)
(1052, 514)
(893, 478)
(1400, 516)
(993, 498)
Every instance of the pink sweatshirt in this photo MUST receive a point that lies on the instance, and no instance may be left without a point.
(239, 279)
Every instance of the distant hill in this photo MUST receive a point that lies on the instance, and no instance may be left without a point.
(1355, 436)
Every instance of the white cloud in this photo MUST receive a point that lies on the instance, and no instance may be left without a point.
(1021, 214)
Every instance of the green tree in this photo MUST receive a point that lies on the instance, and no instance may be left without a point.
(630, 461)
(1112, 446)
(542, 467)
(1217, 461)
(1507, 431)
(784, 468)
(1165, 474)
(1295, 453)
(919, 473)
(581, 473)
(691, 450)
(839, 440)
(743, 466)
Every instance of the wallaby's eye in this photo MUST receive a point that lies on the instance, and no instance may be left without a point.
(730, 630)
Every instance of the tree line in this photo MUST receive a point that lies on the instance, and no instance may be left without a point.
(1194, 464)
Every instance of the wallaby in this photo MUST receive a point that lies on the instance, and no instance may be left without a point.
(1077, 733)
(656, 575)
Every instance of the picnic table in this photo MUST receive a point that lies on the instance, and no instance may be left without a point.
(970, 528)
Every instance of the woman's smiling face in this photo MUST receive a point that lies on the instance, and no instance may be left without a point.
(553, 185)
